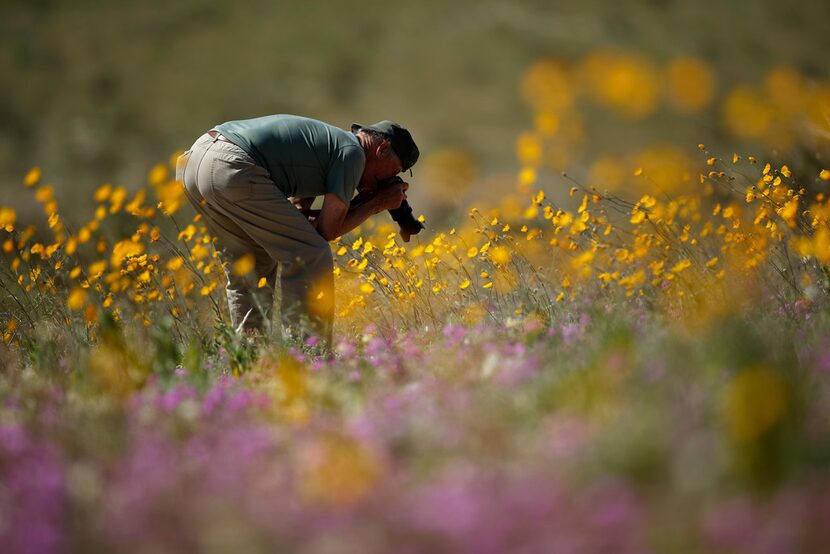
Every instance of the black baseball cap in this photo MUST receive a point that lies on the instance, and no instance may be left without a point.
(401, 139)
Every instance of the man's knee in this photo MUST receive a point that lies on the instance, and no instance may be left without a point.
(323, 255)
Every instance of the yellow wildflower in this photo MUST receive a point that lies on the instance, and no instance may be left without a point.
(637, 216)
(32, 177)
(681, 265)
(76, 299)
(188, 232)
(244, 265)
(8, 217)
(500, 255)
(175, 263)
(102, 193)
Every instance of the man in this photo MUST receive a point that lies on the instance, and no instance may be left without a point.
(254, 180)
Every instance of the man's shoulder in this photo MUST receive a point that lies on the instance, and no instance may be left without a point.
(352, 153)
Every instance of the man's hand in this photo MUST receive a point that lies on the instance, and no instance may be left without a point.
(337, 218)
(390, 196)
(302, 204)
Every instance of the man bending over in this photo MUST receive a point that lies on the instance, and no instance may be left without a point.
(254, 180)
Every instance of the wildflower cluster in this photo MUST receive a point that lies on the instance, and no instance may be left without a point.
(747, 225)
(130, 260)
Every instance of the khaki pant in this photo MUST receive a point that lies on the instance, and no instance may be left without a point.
(248, 214)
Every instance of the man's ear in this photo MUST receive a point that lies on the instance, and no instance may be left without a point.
(383, 149)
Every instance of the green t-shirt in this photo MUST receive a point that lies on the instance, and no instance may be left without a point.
(305, 157)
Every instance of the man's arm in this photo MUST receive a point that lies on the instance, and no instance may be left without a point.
(337, 218)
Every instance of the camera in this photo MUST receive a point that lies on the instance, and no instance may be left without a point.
(402, 215)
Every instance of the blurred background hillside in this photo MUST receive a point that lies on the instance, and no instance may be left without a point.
(101, 91)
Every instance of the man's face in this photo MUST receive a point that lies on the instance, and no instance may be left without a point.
(381, 164)
(387, 168)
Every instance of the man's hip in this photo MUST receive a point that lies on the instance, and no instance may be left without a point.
(219, 168)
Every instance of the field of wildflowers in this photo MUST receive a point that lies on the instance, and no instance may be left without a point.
(633, 361)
